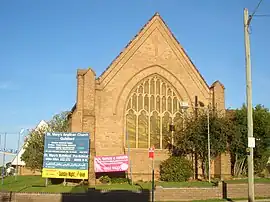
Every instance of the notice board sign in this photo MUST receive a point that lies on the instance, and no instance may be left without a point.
(66, 155)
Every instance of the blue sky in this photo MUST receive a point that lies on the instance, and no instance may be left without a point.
(42, 43)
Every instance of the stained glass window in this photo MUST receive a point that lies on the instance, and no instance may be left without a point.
(152, 106)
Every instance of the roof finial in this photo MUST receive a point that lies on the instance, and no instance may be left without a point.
(156, 14)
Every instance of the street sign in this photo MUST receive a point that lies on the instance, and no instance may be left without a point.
(251, 142)
(151, 152)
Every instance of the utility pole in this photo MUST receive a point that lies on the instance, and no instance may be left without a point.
(208, 143)
(251, 141)
(18, 149)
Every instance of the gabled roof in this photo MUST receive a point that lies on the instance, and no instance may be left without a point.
(80, 72)
(217, 83)
(156, 16)
(72, 110)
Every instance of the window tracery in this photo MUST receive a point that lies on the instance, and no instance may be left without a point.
(152, 106)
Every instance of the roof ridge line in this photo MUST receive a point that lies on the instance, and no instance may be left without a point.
(135, 36)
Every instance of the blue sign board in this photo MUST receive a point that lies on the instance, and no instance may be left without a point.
(65, 154)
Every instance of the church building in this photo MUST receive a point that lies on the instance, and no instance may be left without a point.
(148, 87)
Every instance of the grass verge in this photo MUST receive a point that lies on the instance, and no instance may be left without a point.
(37, 184)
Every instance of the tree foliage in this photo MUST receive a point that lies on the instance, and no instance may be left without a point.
(59, 122)
(262, 134)
(193, 138)
(261, 131)
(33, 154)
(34, 147)
(227, 133)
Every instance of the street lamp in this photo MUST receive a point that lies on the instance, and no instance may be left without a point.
(208, 139)
(184, 106)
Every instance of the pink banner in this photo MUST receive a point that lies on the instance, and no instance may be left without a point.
(111, 163)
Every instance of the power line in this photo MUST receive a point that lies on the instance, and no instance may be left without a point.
(250, 16)
(256, 8)
(262, 15)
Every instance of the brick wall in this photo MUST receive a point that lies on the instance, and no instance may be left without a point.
(101, 102)
(231, 191)
(241, 190)
(168, 194)
(187, 194)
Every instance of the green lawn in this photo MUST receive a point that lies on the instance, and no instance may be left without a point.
(37, 184)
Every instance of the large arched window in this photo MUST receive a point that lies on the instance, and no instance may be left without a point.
(152, 107)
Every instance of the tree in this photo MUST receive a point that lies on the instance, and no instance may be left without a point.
(193, 138)
(238, 142)
(226, 133)
(34, 148)
(59, 122)
(262, 134)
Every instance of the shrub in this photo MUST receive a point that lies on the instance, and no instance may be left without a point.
(105, 179)
(176, 169)
(119, 180)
